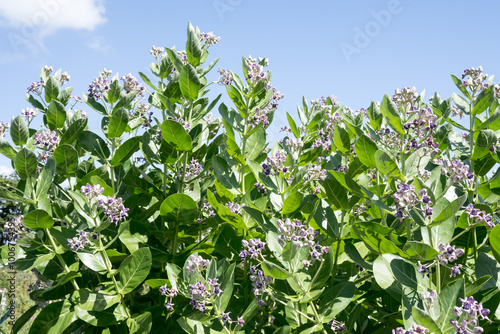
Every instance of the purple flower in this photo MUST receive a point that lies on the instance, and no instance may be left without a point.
(113, 209)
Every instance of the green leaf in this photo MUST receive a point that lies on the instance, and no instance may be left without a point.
(175, 134)
(95, 262)
(25, 163)
(448, 298)
(275, 271)
(23, 319)
(193, 47)
(341, 139)
(51, 89)
(94, 301)
(66, 159)
(391, 112)
(234, 150)
(353, 253)
(256, 143)
(493, 122)
(486, 265)
(223, 173)
(45, 178)
(336, 194)
(125, 150)
(293, 126)
(106, 318)
(485, 140)
(73, 131)
(365, 150)
(124, 101)
(53, 319)
(404, 271)
(7, 150)
(335, 299)
(386, 165)
(114, 91)
(495, 239)
(94, 145)
(462, 89)
(189, 82)
(476, 286)
(56, 115)
(483, 100)
(292, 203)
(420, 251)
(140, 324)
(375, 116)
(118, 123)
(444, 209)
(179, 208)
(134, 270)
(19, 131)
(94, 104)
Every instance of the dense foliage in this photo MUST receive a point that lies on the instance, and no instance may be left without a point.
(381, 220)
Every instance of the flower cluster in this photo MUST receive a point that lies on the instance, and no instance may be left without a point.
(91, 191)
(260, 188)
(390, 138)
(256, 70)
(46, 140)
(407, 199)
(170, 294)
(475, 80)
(316, 172)
(252, 249)
(496, 91)
(479, 217)
(275, 164)
(428, 297)
(65, 77)
(450, 254)
(113, 208)
(303, 236)
(4, 127)
(235, 208)
(405, 96)
(156, 51)
(14, 229)
(414, 329)
(192, 170)
(260, 117)
(294, 145)
(457, 171)
(81, 240)
(196, 264)
(100, 85)
(201, 294)
(206, 210)
(225, 318)
(210, 38)
(225, 77)
(130, 84)
(469, 313)
(29, 113)
(36, 87)
(259, 284)
(337, 326)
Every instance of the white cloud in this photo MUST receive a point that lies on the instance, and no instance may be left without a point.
(35, 19)
(6, 171)
(98, 43)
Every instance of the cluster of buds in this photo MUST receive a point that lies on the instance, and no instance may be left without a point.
(316, 172)
(252, 249)
(29, 114)
(405, 97)
(91, 191)
(423, 121)
(130, 84)
(260, 188)
(100, 85)
(477, 217)
(275, 164)
(341, 168)
(113, 209)
(469, 314)
(203, 293)
(496, 91)
(225, 318)
(196, 264)
(256, 69)
(235, 208)
(450, 254)
(37, 285)
(81, 240)
(4, 127)
(14, 229)
(337, 326)
(225, 77)
(47, 141)
(360, 208)
(156, 51)
(414, 329)
(475, 80)
(192, 170)
(456, 111)
(457, 171)
(407, 199)
(390, 138)
(324, 102)
(36, 87)
(303, 236)
(206, 211)
(65, 77)
(210, 38)
(170, 293)
(47, 70)
(428, 298)
(260, 116)
(259, 284)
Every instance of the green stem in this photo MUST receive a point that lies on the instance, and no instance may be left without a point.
(379, 196)
(174, 244)
(438, 278)
(337, 251)
(59, 256)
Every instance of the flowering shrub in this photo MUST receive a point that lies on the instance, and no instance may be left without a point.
(382, 220)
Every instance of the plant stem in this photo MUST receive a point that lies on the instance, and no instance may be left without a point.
(337, 251)
(174, 244)
(59, 256)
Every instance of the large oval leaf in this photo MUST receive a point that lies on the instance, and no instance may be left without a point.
(180, 208)
(38, 219)
(175, 134)
(335, 299)
(66, 159)
(118, 123)
(134, 270)
(54, 318)
(19, 131)
(56, 115)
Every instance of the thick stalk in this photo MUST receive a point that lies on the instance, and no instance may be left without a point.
(337, 251)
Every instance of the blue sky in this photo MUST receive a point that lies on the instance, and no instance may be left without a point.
(355, 50)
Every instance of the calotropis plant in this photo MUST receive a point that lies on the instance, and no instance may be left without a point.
(381, 220)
